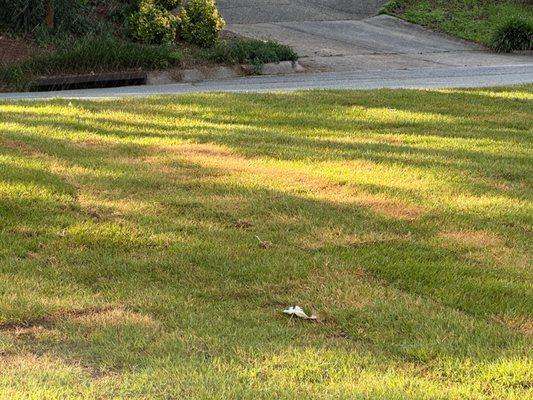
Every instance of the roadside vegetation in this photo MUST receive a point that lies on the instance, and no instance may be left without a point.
(254, 52)
(149, 246)
(87, 56)
(96, 36)
(504, 25)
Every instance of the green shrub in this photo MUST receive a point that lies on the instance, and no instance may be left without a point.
(168, 4)
(256, 52)
(200, 22)
(513, 34)
(90, 55)
(153, 24)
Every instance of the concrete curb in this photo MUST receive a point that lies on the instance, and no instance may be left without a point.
(222, 72)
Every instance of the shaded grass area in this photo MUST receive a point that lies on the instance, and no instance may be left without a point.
(130, 265)
(474, 20)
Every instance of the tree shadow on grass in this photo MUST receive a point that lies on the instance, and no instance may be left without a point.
(200, 290)
(280, 145)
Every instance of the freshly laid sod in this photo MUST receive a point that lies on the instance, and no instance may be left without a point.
(474, 20)
(149, 246)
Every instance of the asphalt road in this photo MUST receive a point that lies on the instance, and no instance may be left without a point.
(420, 78)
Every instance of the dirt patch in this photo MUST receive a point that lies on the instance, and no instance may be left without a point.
(472, 238)
(50, 320)
(14, 50)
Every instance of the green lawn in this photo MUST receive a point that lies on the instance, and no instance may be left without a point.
(130, 265)
(468, 19)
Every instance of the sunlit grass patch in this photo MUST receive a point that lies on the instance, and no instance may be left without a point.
(148, 246)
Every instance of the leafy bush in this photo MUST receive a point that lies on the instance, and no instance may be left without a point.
(169, 4)
(153, 24)
(90, 55)
(513, 34)
(256, 52)
(200, 22)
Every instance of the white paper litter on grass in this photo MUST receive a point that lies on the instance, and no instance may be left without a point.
(299, 312)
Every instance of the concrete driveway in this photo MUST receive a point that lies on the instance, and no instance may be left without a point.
(348, 35)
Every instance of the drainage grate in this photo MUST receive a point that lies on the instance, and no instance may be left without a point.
(88, 81)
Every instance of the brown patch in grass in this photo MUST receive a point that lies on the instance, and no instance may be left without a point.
(243, 224)
(17, 363)
(93, 213)
(35, 332)
(472, 238)
(14, 360)
(116, 316)
(51, 320)
(24, 231)
(19, 146)
(521, 324)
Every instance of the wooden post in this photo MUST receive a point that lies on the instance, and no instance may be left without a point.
(50, 15)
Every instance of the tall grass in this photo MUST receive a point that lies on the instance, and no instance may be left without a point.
(256, 52)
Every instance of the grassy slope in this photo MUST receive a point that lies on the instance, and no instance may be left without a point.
(468, 19)
(130, 267)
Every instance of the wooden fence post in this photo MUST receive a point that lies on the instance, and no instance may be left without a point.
(50, 14)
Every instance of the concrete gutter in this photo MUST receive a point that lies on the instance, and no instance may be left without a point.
(419, 78)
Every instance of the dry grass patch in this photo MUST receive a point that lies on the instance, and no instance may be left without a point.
(114, 317)
(520, 324)
(19, 146)
(52, 320)
(472, 238)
